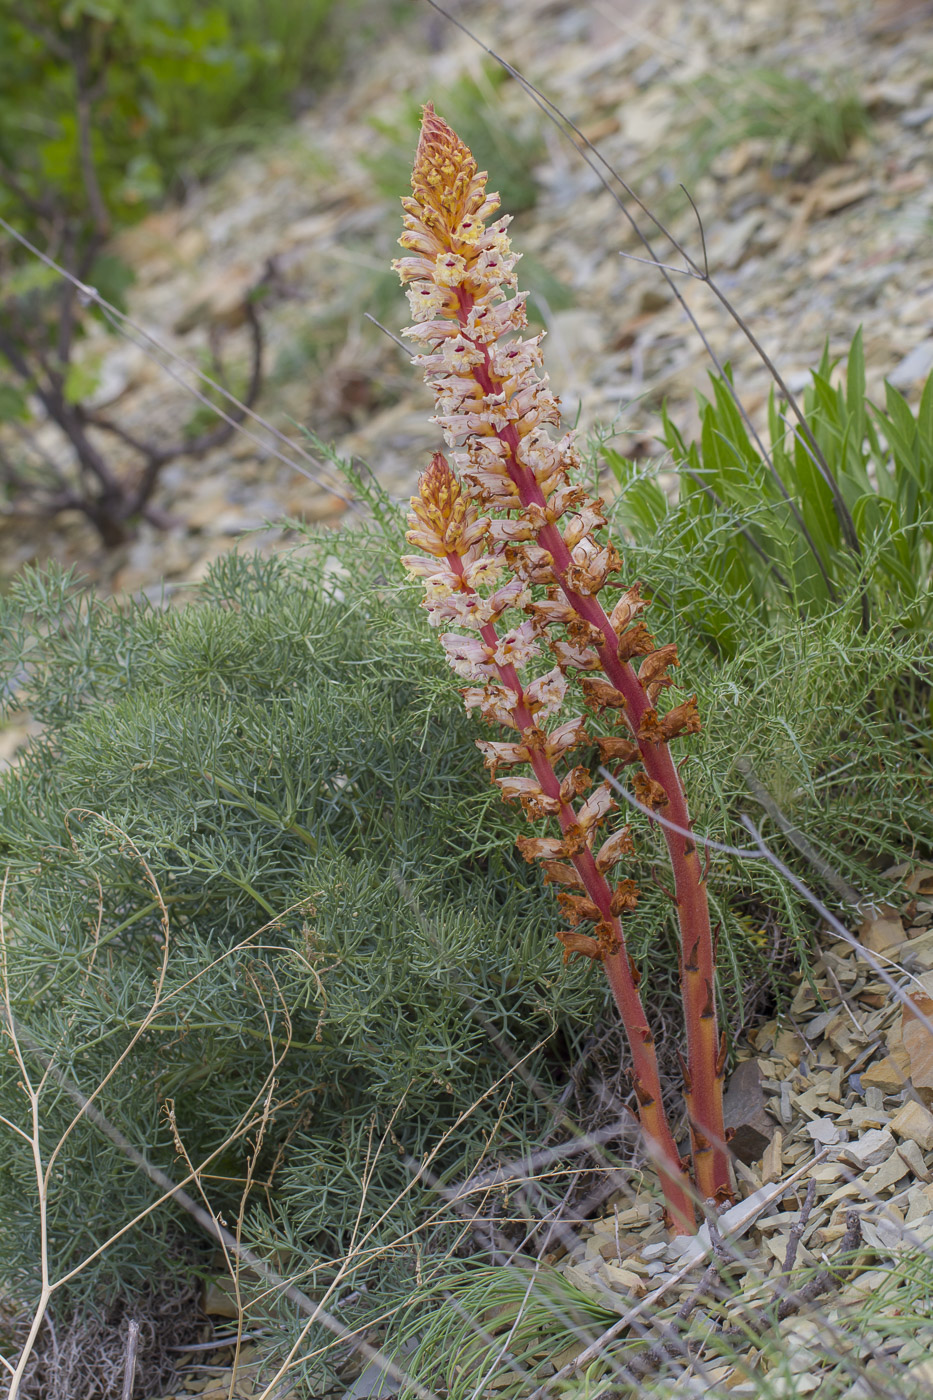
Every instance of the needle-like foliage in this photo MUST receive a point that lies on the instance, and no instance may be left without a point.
(272, 754)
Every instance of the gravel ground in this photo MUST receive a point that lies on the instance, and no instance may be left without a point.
(806, 249)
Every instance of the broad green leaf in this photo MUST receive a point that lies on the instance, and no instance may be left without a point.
(855, 387)
(925, 430)
(81, 379)
(901, 430)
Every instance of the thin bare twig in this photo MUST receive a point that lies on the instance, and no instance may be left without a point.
(148, 343)
(797, 1229)
(828, 1278)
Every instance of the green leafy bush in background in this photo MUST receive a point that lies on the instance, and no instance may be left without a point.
(162, 79)
(108, 107)
(810, 534)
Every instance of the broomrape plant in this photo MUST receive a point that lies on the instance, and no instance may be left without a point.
(506, 531)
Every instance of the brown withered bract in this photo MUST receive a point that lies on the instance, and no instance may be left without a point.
(600, 695)
(541, 847)
(575, 908)
(557, 872)
(579, 944)
(616, 750)
(681, 719)
(614, 847)
(624, 897)
(650, 730)
(569, 654)
(653, 670)
(649, 793)
(637, 641)
(575, 783)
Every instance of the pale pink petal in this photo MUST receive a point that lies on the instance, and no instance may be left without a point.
(599, 803)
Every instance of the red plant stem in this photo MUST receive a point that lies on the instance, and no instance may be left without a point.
(704, 1061)
(704, 1054)
(620, 970)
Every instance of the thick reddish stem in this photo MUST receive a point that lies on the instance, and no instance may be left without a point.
(620, 970)
(704, 1057)
(704, 1065)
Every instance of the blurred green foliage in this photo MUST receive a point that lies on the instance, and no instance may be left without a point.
(158, 82)
(108, 107)
(801, 122)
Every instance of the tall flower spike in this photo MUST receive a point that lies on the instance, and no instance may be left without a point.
(495, 408)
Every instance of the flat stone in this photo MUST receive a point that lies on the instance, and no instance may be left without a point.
(654, 1251)
(915, 1122)
(623, 1280)
(882, 929)
(771, 1163)
(218, 1300)
(744, 1113)
(889, 1075)
(918, 1042)
(825, 1131)
(921, 1374)
(913, 367)
(890, 1172)
(828, 1172)
(585, 1278)
(789, 1044)
(869, 1150)
(910, 1153)
(920, 880)
(819, 1024)
(918, 952)
(918, 116)
(843, 1037)
(864, 1118)
(866, 1284)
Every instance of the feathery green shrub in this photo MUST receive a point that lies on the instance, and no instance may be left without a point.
(270, 753)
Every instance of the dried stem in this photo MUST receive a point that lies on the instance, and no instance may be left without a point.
(129, 1374)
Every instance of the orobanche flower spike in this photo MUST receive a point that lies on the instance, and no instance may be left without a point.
(513, 571)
